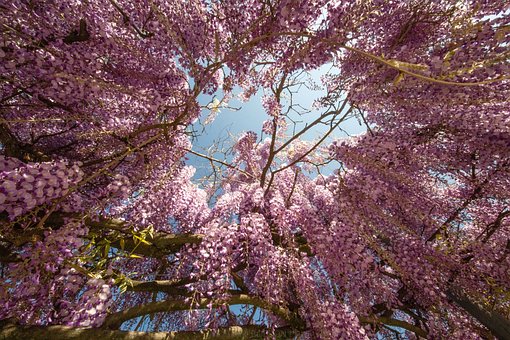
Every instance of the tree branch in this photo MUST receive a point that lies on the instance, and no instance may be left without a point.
(496, 323)
(14, 148)
(115, 320)
(160, 243)
(17, 332)
(396, 323)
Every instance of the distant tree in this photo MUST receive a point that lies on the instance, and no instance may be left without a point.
(104, 233)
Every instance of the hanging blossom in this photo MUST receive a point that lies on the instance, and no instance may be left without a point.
(185, 203)
(92, 306)
(49, 289)
(327, 316)
(25, 186)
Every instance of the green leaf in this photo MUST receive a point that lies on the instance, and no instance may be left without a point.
(123, 287)
(398, 79)
(106, 249)
(142, 240)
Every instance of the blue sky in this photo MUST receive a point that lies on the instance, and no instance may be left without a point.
(249, 116)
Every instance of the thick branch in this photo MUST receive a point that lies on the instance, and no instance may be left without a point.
(160, 243)
(396, 323)
(496, 323)
(403, 68)
(115, 320)
(172, 287)
(17, 332)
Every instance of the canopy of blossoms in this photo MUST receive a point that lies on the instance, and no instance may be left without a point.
(104, 230)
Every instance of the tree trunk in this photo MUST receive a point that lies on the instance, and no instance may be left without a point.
(496, 323)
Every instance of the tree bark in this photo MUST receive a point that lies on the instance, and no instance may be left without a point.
(115, 320)
(496, 323)
(17, 332)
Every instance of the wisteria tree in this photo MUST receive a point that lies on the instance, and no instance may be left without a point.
(105, 232)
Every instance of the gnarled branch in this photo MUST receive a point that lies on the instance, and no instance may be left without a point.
(18, 332)
(115, 320)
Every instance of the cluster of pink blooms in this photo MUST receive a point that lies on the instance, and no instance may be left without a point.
(44, 276)
(25, 186)
(120, 186)
(91, 307)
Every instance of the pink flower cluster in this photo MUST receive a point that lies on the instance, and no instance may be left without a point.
(25, 186)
